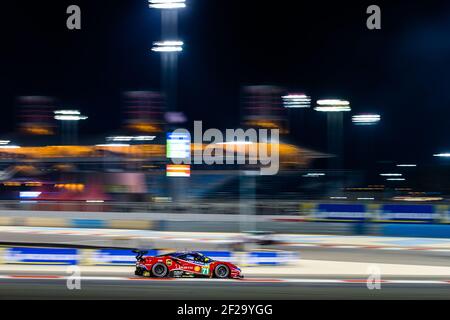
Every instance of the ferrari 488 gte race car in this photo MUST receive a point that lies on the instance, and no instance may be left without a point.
(179, 264)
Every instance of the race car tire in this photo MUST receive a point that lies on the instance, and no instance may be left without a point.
(222, 271)
(160, 270)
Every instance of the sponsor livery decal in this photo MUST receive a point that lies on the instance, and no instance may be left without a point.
(205, 270)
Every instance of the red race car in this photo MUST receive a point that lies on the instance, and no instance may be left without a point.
(179, 264)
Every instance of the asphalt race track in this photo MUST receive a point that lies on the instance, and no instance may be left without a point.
(258, 289)
(407, 257)
(32, 284)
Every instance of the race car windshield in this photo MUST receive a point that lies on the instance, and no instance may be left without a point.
(203, 258)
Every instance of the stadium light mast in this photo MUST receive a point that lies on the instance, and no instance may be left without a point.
(365, 137)
(69, 124)
(296, 101)
(366, 119)
(295, 104)
(169, 47)
(334, 108)
(167, 4)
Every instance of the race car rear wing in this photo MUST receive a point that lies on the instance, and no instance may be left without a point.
(139, 254)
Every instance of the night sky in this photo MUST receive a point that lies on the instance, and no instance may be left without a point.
(320, 47)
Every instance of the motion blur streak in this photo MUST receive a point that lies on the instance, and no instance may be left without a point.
(102, 148)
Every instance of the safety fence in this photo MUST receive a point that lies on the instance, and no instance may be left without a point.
(307, 211)
(375, 212)
(96, 222)
(120, 257)
(314, 210)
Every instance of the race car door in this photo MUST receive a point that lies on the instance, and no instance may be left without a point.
(193, 263)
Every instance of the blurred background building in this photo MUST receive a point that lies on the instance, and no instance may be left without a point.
(36, 115)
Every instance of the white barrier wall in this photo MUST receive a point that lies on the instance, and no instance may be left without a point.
(119, 257)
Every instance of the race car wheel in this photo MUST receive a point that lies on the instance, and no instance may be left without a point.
(221, 271)
(160, 270)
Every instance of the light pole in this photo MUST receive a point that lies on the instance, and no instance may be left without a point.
(366, 119)
(335, 109)
(442, 155)
(296, 102)
(365, 141)
(69, 124)
(69, 127)
(169, 48)
(167, 4)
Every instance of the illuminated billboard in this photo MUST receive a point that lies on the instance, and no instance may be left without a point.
(178, 170)
(178, 145)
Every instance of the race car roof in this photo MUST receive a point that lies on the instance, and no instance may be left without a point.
(180, 253)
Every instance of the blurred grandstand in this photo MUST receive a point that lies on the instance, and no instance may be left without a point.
(38, 166)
